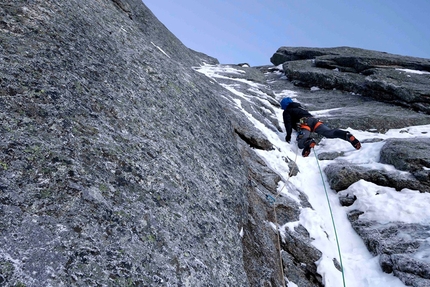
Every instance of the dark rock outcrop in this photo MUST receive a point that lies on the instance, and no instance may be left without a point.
(409, 155)
(342, 175)
(369, 73)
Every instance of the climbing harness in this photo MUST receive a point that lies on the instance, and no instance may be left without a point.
(332, 220)
(303, 124)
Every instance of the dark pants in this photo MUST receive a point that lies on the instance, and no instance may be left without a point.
(322, 129)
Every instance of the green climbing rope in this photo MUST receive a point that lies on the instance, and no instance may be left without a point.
(332, 220)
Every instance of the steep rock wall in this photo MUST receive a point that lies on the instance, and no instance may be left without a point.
(119, 164)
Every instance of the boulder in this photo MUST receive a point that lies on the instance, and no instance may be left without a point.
(410, 155)
(341, 175)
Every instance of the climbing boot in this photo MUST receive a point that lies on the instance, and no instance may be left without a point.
(355, 142)
(310, 143)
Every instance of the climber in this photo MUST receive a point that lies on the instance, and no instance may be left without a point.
(295, 116)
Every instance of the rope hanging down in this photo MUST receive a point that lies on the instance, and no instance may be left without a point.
(273, 201)
(332, 220)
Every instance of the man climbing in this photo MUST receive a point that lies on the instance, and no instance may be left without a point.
(295, 116)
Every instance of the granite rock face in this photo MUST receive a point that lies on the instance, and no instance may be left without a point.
(118, 163)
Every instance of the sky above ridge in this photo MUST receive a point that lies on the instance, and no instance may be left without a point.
(239, 31)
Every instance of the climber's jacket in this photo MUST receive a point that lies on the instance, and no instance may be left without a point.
(296, 117)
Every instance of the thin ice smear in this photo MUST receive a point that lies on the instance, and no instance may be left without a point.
(361, 268)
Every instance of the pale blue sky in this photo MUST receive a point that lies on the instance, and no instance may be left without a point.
(250, 31)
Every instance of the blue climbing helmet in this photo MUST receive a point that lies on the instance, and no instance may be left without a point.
(285, 102)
